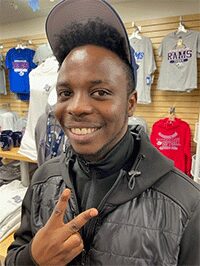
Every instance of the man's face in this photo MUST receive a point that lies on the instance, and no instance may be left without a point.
(93, 106)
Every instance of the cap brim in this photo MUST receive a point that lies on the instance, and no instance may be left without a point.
(69, 11)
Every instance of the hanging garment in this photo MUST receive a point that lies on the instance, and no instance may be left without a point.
(173, 139)
(137, 120)
(20, 63)
(42, 80)
(179, 51)
(49, 136)
(145, 60)
(2, 76)
(7, 120)
(20, 124)
(42, 53)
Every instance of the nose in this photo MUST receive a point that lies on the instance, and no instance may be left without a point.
(80, 105)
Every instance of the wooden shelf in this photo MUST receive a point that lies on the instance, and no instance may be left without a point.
(4, 245)
(15, 155)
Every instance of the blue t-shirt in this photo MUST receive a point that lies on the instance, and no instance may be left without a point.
(20, 63)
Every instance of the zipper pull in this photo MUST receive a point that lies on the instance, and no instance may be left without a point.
(134, 172)
(131, 182)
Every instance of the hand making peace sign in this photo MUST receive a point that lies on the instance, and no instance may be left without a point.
(58, 243)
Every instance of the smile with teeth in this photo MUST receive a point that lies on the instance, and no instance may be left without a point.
(83, 131)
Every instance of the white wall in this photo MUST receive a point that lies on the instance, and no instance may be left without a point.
(23, 28)
(144, 9)
(129, 11)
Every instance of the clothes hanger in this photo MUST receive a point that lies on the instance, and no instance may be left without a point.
(20, 46)
(172, 113)
(136, 32)
(181, 27)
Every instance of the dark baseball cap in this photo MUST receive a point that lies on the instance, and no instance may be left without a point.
(67, 12)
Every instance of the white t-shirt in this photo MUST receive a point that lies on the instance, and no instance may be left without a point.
(42, 79)
(7, 120)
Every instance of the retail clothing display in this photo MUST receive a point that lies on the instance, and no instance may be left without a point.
(145, 216)
(20, 63)
(2, 76)
(145, 60)
(42, 81)
(42, 53)
(49, 136)
(173, 139)
(8, 120)
(11, 196)
(134, 65)
(20, 124)
(9, 172)
(179, 51)
(136, 120)
(11, 226)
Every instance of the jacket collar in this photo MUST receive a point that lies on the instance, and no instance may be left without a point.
(149, 166)
(116, 159)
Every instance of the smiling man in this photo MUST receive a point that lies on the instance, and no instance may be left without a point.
(93, 109)
(111, 198)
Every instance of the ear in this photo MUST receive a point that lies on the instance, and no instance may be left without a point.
(132, 100)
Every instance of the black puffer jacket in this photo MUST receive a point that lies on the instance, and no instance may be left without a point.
(151, 215)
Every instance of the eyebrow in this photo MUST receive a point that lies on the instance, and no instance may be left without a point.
(96, 82)
(99, 81)
(93, 82)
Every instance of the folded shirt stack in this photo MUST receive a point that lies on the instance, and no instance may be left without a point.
(11, 196)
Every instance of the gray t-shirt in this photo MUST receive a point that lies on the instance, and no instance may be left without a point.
(2, 76)
(179, 53)
(144, 58)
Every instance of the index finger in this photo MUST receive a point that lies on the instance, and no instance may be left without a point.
(79, 221)
(57, 215)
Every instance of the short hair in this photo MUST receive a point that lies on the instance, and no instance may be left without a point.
(98, 33)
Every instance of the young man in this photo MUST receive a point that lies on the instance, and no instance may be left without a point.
(111, 198)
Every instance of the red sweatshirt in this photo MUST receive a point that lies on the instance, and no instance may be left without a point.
(173, 139)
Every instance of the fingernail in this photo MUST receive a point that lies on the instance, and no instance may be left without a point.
(93, 212)
(65, 194)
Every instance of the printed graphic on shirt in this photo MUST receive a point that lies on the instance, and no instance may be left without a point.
(47, 87)
(17, 199)
(179, 54)
(138, 56)
(20, 66)
(168, 142)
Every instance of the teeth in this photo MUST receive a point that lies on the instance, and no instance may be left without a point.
(82, 131)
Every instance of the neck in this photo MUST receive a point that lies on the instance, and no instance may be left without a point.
(118, 157)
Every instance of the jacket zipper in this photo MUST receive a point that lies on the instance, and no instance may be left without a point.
(132, 173)
(94, 221)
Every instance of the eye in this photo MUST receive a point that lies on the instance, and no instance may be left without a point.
(64, 94)
(100, 93)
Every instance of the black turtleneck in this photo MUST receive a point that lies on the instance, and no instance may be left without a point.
(93, 180)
